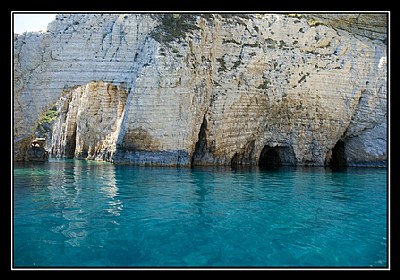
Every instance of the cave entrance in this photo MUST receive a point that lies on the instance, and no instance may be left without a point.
(277, 156)
(338, 159)
(200, 150)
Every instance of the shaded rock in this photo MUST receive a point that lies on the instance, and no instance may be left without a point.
(37, 152)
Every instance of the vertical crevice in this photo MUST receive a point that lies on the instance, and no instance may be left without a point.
(70, 145)
(201, 144)
(245, 156)
(338, 159)
(236, 160)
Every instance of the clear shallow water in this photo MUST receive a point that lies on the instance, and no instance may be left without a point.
(74, 213)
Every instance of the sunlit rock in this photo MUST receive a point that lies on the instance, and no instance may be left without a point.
(207, 89)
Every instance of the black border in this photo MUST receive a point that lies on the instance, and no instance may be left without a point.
(169, 8)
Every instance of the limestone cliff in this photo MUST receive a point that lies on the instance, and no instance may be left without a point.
(206, 89)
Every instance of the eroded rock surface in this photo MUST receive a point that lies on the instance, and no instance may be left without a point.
(37, 152)
(207, 89)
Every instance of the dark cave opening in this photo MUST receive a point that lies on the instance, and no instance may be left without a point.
(338, 159)
(277, 156)
(201, 144)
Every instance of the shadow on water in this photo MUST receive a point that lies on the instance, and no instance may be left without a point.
(264, 169)
(277, 168)
(337, 169)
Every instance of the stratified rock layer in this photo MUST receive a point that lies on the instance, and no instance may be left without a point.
(233, 89)
(89, 121)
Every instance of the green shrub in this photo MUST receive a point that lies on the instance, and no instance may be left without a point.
(173, 26)
(50, 115)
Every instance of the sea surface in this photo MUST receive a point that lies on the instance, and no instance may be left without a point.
(87, 214)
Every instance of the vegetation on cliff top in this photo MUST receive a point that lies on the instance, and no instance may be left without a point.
(176, 26)
(173, 26)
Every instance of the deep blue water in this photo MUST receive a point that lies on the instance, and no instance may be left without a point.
(76, 213)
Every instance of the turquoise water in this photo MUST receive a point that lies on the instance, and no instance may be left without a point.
(76, 213)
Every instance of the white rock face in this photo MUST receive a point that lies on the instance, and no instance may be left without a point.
(240, 89)
(89, 121)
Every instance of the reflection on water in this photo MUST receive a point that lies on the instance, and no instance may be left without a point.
(79, 192)
(85, 213)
